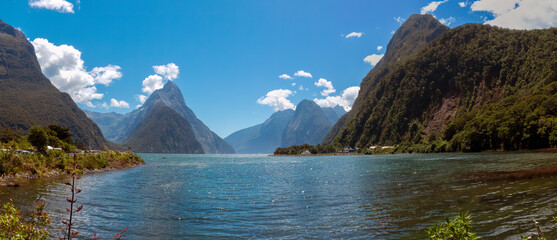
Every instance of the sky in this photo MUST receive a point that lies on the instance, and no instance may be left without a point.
(235, 61)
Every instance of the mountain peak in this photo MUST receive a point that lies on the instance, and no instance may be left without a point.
(8, 29)
(306, 105)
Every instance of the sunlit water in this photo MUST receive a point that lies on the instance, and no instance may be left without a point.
(256, 196)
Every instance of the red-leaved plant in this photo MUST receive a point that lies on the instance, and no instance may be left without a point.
(67, 231)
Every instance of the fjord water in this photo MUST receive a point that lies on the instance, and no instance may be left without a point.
(256, 196)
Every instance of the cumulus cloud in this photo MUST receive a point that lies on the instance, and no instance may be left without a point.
(447, 21)
(328, 85)
(62, 6)
(277, 99)
(141, 98)
(119, 104)
(354, 34)
(152, 83)
(169, 71)
(519, 14)
(293, 84)
(105, 75)
(400, 20)
(345, 100)
(432, 7)
(463, 4)
(285, 76)
(373, 59)
(379, 48)
(65, 69)
(301, 73)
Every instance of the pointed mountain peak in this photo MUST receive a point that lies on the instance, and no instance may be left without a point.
(306, 104)
(170, 95)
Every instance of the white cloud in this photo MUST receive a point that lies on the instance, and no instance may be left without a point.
(392, 32)
(328, 85)
(354, 34)
(152, 83)
(169, 71)
(105, 75)
(345, 100)
(285, 76)
(62, 6)
(277, 99)
(463, 4)
(432, 7)
(447, 21)
(301, 73)
(400, 20)
(301, 87)
(65, 69)
(119, 104)
(373, 59)
(519, 14)
(141, 98)
(379, 48)
(293, 84)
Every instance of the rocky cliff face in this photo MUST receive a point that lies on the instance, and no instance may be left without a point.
(28, 98)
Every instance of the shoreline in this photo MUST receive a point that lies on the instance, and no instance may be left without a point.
(541, 150)
(15, 180)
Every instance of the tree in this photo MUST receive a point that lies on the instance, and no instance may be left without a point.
(38, 138)
(8, 134)
(62, 133)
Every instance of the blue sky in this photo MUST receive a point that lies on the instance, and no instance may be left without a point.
(226, 56)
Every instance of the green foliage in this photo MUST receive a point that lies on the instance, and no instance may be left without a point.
(38, 138)
(7, 134)
(14, 226)
(38, 164)
(458, 228)
(502, 84)
(299, 149)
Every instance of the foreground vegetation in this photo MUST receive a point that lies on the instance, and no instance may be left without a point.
(31, 154)
(460, 227)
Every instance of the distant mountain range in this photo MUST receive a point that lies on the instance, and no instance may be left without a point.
(308, 124)
(475, 87)
(163, 124)
(28, 98)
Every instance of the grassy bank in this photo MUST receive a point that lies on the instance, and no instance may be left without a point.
(47, 151)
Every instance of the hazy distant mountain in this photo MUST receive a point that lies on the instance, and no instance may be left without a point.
(309, 125)
(28, 98)
(261, 138)
(475, 87)
(105, 121)
(266, 137)
(169, 96)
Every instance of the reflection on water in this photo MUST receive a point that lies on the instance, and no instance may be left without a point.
(255, 196)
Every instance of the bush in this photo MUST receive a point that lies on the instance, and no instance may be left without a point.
(459, 228)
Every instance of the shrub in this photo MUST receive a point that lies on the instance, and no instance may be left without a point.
(459, 228)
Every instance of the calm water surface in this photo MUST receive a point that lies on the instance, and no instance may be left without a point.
(255, 196)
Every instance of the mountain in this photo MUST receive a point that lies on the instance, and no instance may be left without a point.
(164, 131)
(261, 138)
(475, 87)
(268, 136)
(309, 125)
(121, 130)
(28, 98)
(412, 37)
(105, 121)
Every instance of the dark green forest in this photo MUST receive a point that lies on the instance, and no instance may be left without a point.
(473, 88)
